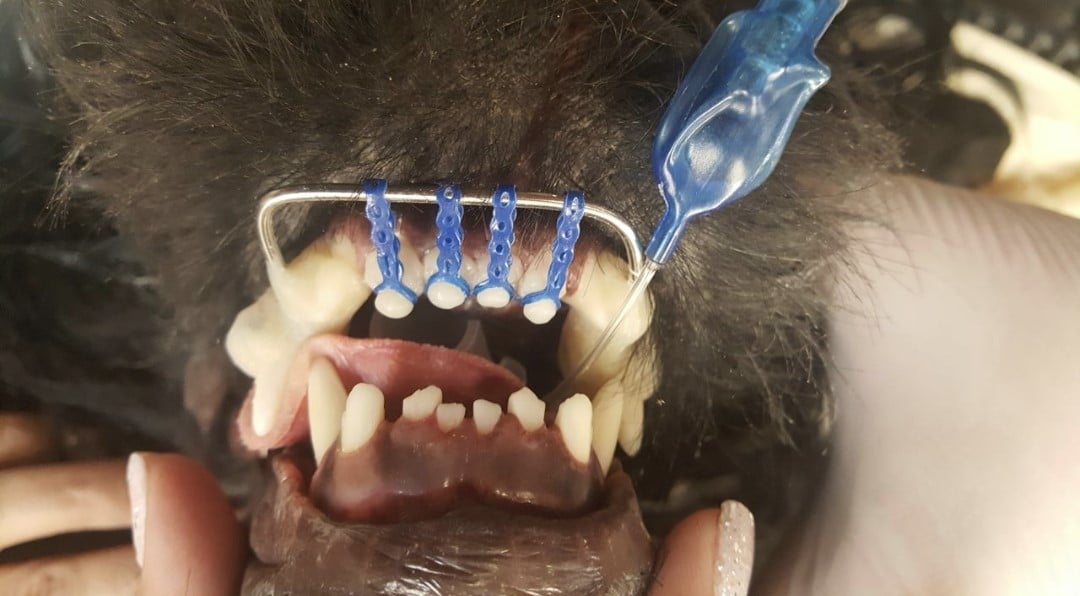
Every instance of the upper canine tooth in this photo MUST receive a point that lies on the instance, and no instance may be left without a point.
(268, 392)
(528, 408)
(421, 403)
(600, 294)
(575, 419)
(326, 403)
(321, 289)
(607, 417)
(449, 416)
(258, 335)
(631, 426)
(485, 415)
(365, 409)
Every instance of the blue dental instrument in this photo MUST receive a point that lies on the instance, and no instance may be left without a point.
(727, 125)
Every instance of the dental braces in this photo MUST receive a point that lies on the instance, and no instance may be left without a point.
(719, 139)
(495, 291)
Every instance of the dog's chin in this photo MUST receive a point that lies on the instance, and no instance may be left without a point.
(472, 549)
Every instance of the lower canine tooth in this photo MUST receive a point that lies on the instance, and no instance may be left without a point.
(607, 416)
(527, 408)
(574, 420)
(449, 416)
(365, 409)
(485, 415)
(326, 403)
(421, 403)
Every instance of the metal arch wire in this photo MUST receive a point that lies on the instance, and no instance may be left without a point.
(330, 193)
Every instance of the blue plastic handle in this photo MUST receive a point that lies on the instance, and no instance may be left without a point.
(732, 115)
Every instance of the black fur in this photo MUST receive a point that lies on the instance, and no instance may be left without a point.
(177, 114)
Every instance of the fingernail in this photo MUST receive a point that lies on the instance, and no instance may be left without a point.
(136, 481)
(735, 551)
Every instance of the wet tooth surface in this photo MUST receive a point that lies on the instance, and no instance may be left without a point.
(607, 416)
(527, 408)
(388, 302)
(534, 278)
(446, 295)
(540, 311)
(486, 415)
(449, 416)
(421, 403)
(326, 403)
(321, 289)
(574, 420)
(604, 281)
(393, 305)
(269, 392)
(365, 410)
(258, 335)
(493, 298)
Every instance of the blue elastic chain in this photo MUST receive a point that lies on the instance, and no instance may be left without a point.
(386, 243)
(567, 231)
(732, 115)
(448, 221)
(504, 202)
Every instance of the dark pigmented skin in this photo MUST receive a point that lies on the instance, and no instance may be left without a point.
(471, 550)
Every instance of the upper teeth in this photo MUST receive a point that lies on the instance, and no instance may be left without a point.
(322, 288)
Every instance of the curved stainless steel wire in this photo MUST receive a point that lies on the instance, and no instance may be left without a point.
(272, 201)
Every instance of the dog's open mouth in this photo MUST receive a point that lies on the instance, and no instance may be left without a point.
(410, 445)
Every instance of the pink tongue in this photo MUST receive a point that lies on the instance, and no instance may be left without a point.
(396, 367)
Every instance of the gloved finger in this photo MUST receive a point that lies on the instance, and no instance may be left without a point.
(109, 572)
(25, 439)
(710, 553)
(48, 500)
(185, 532)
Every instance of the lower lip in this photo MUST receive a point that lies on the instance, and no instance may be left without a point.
(480, 549)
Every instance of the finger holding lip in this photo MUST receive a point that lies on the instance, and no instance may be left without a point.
(53, 499)
(107, 572)
(710, 553)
